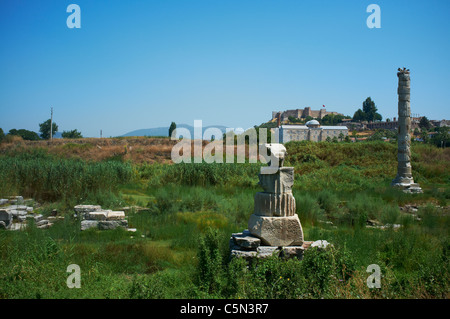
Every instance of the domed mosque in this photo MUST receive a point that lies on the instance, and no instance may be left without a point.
(313, 123)
(311, 131)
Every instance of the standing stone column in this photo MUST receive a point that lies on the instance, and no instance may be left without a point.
(404, 177)
(274, 220)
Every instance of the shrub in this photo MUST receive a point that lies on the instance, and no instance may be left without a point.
(209, 267)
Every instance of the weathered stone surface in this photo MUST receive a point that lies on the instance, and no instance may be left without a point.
(320, 244)
(276, 231)
(276, 180)
(3, 201)
(15, 200)
(248, 255)
(86, 224)
(277, 153)
(111, 224)
(6, 217)
(404, 178)
(83, 210)
(115, 215)
(246, 241)
(292, 252)
(267, 251)
(98, 215)
(18, 226)
(87, 208)
(269, 204)
(37, 218)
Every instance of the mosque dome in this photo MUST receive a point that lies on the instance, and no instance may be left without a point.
(313, 123)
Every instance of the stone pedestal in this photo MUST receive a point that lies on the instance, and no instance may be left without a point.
(277, 231)
(274, 220)
(274, 226)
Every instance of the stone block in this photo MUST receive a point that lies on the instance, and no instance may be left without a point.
(247, 242)
(277, 231)
(267, 251)
(276, 180)
(84, 209)
(6, 217)
(37, 218)
(111, 224)
(404, 90)
(115, 215)
(86, 224)
(99, 215)
(269, 204)
(248, 255)
(42, 222)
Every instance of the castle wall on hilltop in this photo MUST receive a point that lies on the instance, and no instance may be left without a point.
(303, 113)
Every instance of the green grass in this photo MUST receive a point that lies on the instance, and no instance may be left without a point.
(180, 249)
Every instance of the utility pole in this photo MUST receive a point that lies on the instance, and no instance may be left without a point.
(51, 125)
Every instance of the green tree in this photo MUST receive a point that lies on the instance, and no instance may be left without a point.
(25, 134)
(370, 109)
(424, 123)
(72, 134)
(359, 116)
(341, 136)
(44, 128)
(2, 135)
(442, 138)
(172, 128)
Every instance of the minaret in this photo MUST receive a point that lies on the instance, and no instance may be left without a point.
(404, 177)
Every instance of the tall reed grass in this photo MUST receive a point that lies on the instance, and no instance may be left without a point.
(47, 177)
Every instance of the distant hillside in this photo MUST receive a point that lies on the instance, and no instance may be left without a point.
(164, 131)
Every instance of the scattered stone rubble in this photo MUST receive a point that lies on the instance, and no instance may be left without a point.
(93, 216)
(14, 214)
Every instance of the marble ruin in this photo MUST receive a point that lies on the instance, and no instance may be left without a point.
(15, 213)
(93, 216)
(404, 179)
(274, 226)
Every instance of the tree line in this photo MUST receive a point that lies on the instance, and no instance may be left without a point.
(44, 129)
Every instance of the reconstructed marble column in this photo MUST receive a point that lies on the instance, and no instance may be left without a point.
(404, 177)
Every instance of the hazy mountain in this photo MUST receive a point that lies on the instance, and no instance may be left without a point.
(164, 131)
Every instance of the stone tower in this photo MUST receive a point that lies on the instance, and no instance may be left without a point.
(404, 178)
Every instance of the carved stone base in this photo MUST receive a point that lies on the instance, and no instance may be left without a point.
(412, 188)
(277, 231)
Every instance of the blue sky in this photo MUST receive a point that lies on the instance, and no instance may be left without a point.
(142, 64)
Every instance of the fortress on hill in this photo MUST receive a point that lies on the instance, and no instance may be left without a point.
(302, 113)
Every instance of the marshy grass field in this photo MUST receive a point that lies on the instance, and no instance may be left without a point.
(185, 213)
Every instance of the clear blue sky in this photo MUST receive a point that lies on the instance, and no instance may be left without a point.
(142, 64)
